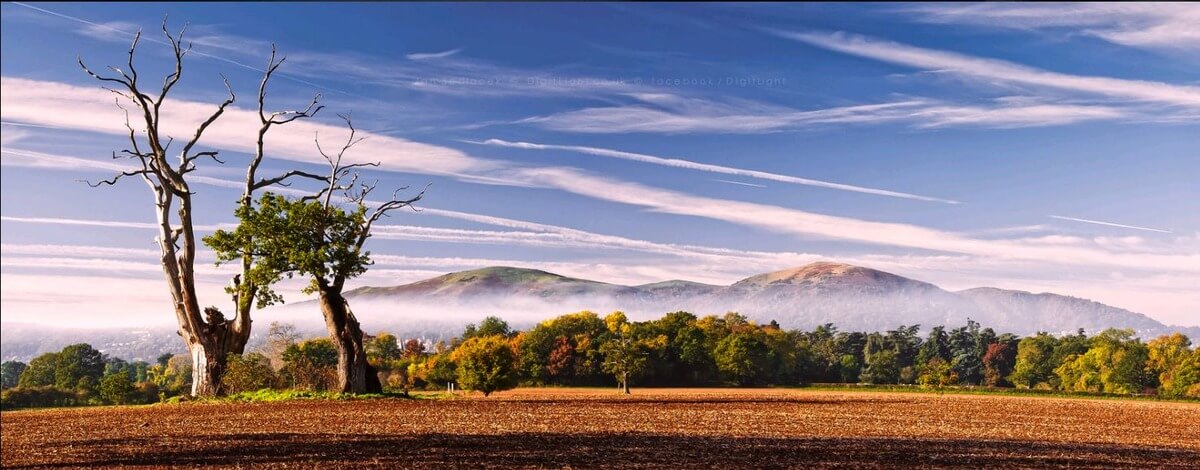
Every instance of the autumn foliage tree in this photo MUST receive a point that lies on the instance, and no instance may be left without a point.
(1175, 365)
(998, 363)
(486, 364)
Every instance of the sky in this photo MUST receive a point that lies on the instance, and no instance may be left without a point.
(1044, 148)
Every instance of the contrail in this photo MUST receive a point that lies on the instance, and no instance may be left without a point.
(1110, 224)
(691, 165)
(741, 183)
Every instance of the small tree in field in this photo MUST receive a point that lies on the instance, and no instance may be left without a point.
(116, 388)
(625, 355)
(486, 364)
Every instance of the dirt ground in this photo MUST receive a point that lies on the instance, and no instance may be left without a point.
(589, 428)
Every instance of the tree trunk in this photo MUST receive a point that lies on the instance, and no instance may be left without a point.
(355, 375)
(207, 334)
(208, 365)
(625, 383)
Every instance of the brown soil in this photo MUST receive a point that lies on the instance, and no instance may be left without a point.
(598, 428)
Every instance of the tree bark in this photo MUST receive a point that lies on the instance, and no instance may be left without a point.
(209, 337)
(355, 375)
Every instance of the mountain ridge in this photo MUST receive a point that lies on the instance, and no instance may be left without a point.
(852, 297)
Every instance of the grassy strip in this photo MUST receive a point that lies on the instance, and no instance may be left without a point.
(267, 395)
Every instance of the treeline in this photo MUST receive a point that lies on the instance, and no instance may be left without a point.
(81, 375)
(678, 349)
(682, 350)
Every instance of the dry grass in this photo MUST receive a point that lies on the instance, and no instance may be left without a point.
(598, 428)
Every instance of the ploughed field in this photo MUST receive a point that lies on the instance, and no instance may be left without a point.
(598, 428)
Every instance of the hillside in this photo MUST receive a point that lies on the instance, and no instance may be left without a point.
(852, 297)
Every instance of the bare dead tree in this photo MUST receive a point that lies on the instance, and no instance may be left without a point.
(208, 334)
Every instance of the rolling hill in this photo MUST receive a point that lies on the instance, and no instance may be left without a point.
(852, 297)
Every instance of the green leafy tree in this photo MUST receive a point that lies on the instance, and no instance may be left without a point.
(383, 348)
(626, 355)
(490, 326)
(685, 359)
(936, 346)
(78, 362)
(315, 238)
(1115, 363)
(1035, 363)
(10, 373)
(882, 368)
(439, 370)
(967, 347)
(849, 367)
(743, 358)
(116, 388)
(486, 364)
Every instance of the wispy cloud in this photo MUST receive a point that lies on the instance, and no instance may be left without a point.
(671, 114)
(809, 224)
(1160, 26)
(75, 250)
(789, 221)
(432, 55)
(111, 31)
(91, 109)
(11, 134)
(692, 165)
(103, 223)
(125, 31)
(1110, 224)
(999, 70)
(32, 159)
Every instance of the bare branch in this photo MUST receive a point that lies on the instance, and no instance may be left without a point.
(383, 209)
(113, 181)
(184, 156)
(103, 78)
(280, 179)
(172, 78)
(132, 47)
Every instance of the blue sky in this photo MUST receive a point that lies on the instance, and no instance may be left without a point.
(1033, 147)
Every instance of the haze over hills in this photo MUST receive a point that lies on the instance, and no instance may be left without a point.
(853, 298)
